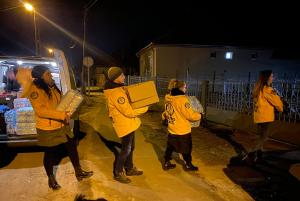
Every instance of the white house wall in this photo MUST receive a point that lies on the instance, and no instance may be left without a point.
(197, 62)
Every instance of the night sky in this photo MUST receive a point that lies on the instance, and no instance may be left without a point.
(121, 28)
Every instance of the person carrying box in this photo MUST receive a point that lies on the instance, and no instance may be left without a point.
(179, 114)
(53, 130)
(125, 122)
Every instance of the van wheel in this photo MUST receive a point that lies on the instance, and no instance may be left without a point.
(7, 155)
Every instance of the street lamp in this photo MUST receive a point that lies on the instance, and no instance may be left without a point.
(30, 8)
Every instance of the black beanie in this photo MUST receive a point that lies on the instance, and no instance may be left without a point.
(38, 71)
(113, 73)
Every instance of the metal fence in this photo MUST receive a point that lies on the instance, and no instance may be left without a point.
(234, 95)
(237, 96)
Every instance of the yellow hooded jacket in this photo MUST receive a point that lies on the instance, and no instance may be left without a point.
(46, 117)
(179, 113)
(264, 106)
(124, 117)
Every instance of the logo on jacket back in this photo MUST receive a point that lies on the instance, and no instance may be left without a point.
(170, 111)
(121, 100)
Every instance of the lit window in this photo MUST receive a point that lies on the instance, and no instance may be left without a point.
(228, 55)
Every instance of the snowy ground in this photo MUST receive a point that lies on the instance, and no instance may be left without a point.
(25, 179)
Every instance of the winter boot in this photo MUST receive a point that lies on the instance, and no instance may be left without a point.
(120, 177)
(168, 165)
(190, 167)
(81, 174)
(52, 183)
(133, 172)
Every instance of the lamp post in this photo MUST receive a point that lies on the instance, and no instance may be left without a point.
(30, 8)
(85, 12)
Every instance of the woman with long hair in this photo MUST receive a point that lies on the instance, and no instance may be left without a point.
(53, 130)
(265, 101)
(179, 113)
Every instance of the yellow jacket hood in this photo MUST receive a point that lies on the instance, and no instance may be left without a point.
(179, 113)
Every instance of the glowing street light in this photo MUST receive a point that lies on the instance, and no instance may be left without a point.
(50, 50)
(28, 7)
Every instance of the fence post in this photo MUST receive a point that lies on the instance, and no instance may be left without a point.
(204, 95)
(128, 80)
(213, 84)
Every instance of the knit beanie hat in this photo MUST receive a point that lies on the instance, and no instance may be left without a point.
(113, 73)
(38, 71)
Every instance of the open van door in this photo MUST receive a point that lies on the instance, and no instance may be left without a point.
(62, 75)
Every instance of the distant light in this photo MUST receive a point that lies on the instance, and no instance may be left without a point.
(228, 55)
(28, 7)
(50, 50)
(53, 64)
(19, 62)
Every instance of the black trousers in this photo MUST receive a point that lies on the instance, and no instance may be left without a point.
(264, 133)
(53, 155)
(185, 146)
(125, 158)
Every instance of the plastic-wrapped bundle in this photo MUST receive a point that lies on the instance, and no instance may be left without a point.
(3, 108)
(25, 128)
(26, 111)
(70, 101)
(25, 114)
(26, 131)
(10, 117)
(10, 129)
(21, 102)
(196, 106)
(25, 119)
(25, 125)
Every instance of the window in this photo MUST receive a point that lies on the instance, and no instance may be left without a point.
(213, 55)
(253, 56)
(228, 55)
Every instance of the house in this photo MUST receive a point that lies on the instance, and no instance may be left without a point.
(204, 61)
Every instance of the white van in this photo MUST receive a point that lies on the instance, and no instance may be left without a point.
(9, 91)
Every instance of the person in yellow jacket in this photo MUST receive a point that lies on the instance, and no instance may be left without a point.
(179, 113)
(265, 101)
(53, 130)
(125, 122)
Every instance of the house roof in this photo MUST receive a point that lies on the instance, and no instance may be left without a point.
(153, 45)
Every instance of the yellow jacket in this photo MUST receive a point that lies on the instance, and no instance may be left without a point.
(46, 117)
(179, 113)
(124, 117)
(264, 106)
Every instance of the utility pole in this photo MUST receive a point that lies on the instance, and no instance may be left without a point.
(85, 12)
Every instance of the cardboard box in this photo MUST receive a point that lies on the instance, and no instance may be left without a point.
(142, 94)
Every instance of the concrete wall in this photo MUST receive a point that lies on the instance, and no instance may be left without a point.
(288, 132)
